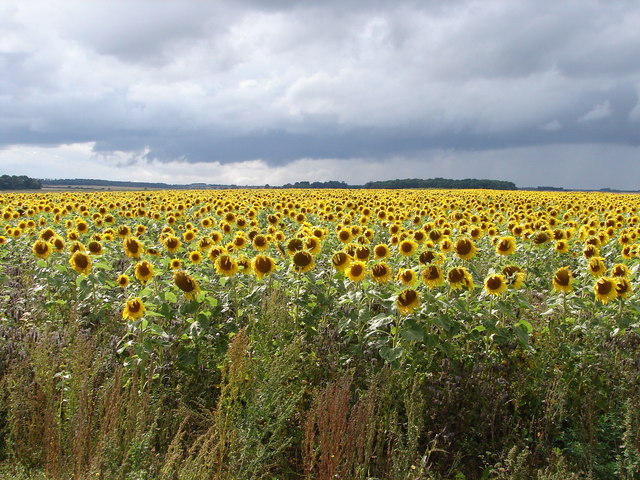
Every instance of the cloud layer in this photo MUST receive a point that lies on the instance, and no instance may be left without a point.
(358, 87)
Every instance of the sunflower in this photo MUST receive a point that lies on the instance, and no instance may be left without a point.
(47, 234)
(380, 273)
(133, 308)
(195, 256)
(446, 245)
(465, 248)
(541, 238)
(597, 267)
(362, 253)
(514, 275)
(407, 301)
(3, 240)
(172, 243)
(432, 276)
(345, 235)
(313, 245)
(204, 244)
(563, 280)
(216, 251)
(226, 265)
(505, 245)
(186, 283)
(623, 287)
(132, 247)
(263, 265)
(189, 236)
(495, 284)
(294, 245)
(244, 264)
(82, 226)
(628, 252)
(80, 262)
(356, 271)
(122, 280)
(41, 249)
(123, 231)
(430, 256)
(459, 277)
(57, 243)
(407, 247)
(590, 251)
(619, 270)
(144, 271)
(239, 241)
(302, 261)
(562, 246)
(260, 242)
(381, 251)
(605, 289)
(341, 261)
(95, 248)
(175, 264)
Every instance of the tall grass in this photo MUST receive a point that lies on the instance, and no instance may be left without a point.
(282, 401)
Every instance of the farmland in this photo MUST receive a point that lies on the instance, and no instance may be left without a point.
(405, 334)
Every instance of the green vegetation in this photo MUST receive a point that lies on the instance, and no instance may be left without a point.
(470, 183)
(19, 182)
(136, 344)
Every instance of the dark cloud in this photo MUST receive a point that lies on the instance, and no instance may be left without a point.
(283, 80)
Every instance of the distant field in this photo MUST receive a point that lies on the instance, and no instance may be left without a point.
(319, 334)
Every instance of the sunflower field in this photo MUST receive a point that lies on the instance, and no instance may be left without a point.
(320, 334)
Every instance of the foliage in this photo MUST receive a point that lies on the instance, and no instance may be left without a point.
(304, 367)
(19, 182)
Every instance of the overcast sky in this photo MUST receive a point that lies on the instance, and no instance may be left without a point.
(275, 91)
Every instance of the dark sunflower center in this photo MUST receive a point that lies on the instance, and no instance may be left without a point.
(432, 273)
(339, 259)
(427, 257)
(456, 275)
(504, 245)
(494, 283)
(185, 282)
(81, 261)
(356, 270)
(379, 271)
(302, 259)
(263, 265)
(226, 263)
(143, 270)
(463, 247)
(407, 297)
(604, 287)
(295, 244)
(562, 278)
(134, 306)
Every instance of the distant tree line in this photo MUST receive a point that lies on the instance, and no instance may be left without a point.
(329, 184)
(472, 183)
(102, 183)
(19, 182)
(413, 183)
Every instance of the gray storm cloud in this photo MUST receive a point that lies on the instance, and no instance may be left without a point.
(226, 82)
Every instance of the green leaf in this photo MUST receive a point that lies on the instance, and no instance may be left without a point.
(212, 301)
(41, 263)
(390, 354)
(380, 320)
(412, 331)
(169, 296)
(522, 333)
(526, 325)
